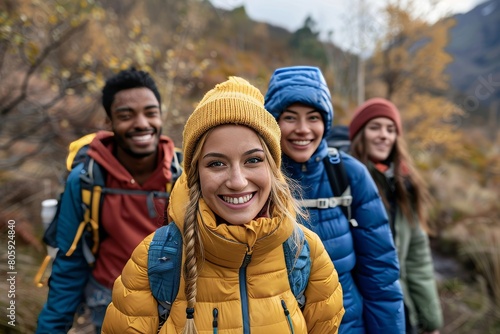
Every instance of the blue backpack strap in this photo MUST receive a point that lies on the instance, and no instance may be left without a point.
(298, 268)
(339, 182)
(93, 182)
(164, 267)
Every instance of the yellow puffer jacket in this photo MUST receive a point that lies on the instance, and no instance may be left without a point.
(222, 282)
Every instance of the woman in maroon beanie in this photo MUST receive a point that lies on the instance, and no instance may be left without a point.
(377, 141)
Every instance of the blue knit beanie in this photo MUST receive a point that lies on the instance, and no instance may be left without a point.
(299, 84)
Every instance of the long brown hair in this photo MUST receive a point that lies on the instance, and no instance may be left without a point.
(412, 194)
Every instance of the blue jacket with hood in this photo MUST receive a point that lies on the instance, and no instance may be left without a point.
(364, 256)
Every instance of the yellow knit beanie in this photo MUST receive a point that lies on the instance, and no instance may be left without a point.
(234, 101)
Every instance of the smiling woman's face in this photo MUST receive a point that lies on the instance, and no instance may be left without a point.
(234, 175)
(380, 136)
(302, 130)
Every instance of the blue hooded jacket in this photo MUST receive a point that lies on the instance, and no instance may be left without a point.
(364, 256)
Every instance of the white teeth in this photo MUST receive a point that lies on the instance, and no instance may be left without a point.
(237, 200)
(301, 142)
(142, 138)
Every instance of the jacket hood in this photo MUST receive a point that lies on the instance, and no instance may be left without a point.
(226, 244)
(299, 84)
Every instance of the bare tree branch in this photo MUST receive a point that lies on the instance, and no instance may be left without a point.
(24, 86)
(17, 160)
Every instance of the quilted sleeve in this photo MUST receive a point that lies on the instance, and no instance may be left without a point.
(69, 273)
(133, 308)
(377, 266)
(324, 309)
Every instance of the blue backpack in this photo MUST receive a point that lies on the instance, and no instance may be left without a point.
(338, 137)
(165, 265)
(338, 141)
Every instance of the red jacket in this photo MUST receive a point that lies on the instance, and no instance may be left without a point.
(125, 219)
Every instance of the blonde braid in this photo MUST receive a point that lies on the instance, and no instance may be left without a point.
(192, 242)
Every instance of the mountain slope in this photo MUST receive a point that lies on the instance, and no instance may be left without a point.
(475, 46)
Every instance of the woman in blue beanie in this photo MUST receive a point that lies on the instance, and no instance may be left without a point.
(362, 249)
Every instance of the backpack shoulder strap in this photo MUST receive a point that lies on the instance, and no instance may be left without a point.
(77, 154)
(93, 189)
(298, 267)
(339, 182)
(92, 182)
(164, 267)
(165, 262)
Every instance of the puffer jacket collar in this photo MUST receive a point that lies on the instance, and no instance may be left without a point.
(295, 169)
(228, 245)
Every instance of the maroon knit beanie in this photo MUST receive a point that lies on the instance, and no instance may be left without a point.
(373, 108)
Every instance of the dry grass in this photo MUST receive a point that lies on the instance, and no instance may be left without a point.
(473, 305)
(459, 193)
(468, 308)
(28, 298)
(483, 248)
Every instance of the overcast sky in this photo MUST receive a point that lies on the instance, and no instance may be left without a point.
(330, 15)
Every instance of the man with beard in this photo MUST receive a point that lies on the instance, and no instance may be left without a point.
(137, 162)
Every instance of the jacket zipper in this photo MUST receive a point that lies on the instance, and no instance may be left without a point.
(244, 294)
(287, 315)
(215, 324)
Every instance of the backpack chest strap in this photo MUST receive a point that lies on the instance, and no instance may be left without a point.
(325, 203)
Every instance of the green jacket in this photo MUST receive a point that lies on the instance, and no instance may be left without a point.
(416, 267)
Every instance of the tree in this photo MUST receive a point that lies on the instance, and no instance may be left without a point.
(408, 68)
(53, 66)
(411, 53)
(306, 43)
(362, 27)
(36, 77)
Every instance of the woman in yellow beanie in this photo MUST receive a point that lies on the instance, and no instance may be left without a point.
(235, 210)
